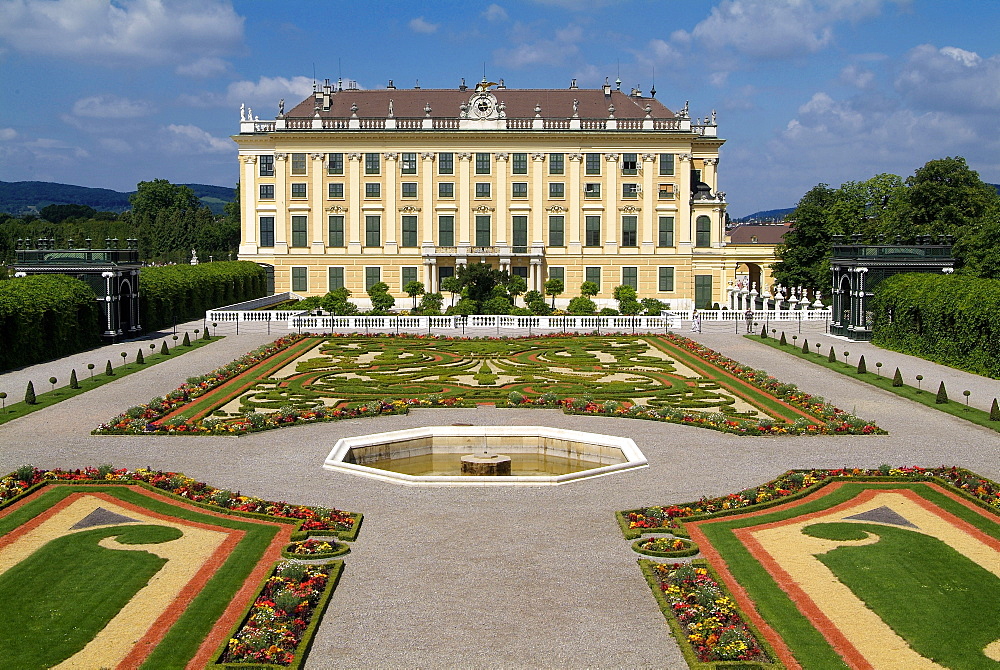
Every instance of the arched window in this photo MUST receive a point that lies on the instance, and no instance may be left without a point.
(703, 232)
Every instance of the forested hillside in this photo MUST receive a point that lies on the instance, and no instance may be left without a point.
(29, 197)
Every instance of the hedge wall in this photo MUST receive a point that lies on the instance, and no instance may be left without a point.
(950, 320)
(44, 317)
(176, 293)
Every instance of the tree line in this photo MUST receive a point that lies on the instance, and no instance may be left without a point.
(944, 199)
(168, 220)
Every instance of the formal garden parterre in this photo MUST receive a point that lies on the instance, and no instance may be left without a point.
(833, 568)
(178, 572)
(300, 378)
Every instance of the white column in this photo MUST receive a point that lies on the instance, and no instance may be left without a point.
(502, 223)
(281, 221)
(463, 219)
(537, 198)
(354, 213)
(612, 219)
(316, 198)
(572, 220)
(248, 199)
(391, 220)
(647, 219)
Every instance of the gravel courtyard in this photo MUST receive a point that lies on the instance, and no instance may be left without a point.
(499, 577)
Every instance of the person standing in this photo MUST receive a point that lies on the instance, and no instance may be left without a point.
(696, 321)
(749, 319)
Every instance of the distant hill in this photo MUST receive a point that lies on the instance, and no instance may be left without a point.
(767, 215)
(27, 197)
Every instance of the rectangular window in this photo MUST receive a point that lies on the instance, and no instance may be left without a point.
(266, 166)
(300, 231)
(519, 163)
(407, 275)
(519, 234)
(298, 164)
(408, 238)
(446, 189)
(630, 231)
(446, 163)
(373, 189)
(267, 191)
(335, 191)
(408, 164)
(593, 164)
(665, 234)
(372, 277)
(557, 190)
(557, 163)
(336, 229)
(665, 192)
(593, 275)
(666, 165)
(483, 237)
(592, 190)
(482, 163)
(666, 279)
(519, 271)
(267, 231)
(630, 191)
(703, 232)
(335, 163)
(482, 189)
(630, 164)
(558, 273)
(373, 163)
(373, 230)
(409, 189)
(300, 279)
(630, 277)
(519, 189)
(557, 228)
(335, 279)
(298, 189)
(703, 291)
(446, 230)
(592, 231)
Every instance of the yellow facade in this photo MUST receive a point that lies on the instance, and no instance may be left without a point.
(362, 186)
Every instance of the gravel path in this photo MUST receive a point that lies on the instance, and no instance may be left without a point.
(502, 577)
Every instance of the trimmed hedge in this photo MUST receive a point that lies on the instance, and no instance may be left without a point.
(953, 320)
(175, 293)
(43, 317)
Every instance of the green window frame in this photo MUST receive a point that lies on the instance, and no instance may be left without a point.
(446, 189)
(334, 278)
(630, 277)
(483, 189)
(267, 231)
(630, 164)
(666, 165)
(557, 163)
(408, 163)
(373, 230)
(665, 232)
(373, 275)
(559, 273)
(446, 230)
(592, 190)
(335, 230)
(335, 190)
(446, 163)
(557, 190)
(266, 192)
(483, 233)
(335, 163)
(703, 291)
(519, 233)
(406, 275)
(373, 163)
(298, 164)
(373, 189)
(409, 189)
(593, 274)
(300, 279)
(703, 231)
(630, 230)
(266, 166)
(482, 162)
(519, 189)
(665, 279)
(557, 230)
(519, 163)
(593, 164)
(299, 190)
(408, 231)
(630, 191)
(300, 231)
(592, 231)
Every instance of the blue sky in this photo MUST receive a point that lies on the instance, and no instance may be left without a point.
(108, 93)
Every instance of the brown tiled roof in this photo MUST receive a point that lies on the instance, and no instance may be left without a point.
(766, 234)
(446, 103)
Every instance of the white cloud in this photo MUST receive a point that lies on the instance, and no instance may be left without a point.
(203, 67)
(531, 49)
(7, 133)
(127, 32)
(495, 13)
(192, 139)
(420, 25)
(950, 79)
(111, 107)
(114, 145)
(858, 77)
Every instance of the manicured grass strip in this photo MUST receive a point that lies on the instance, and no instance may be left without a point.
(884, 381)
(808, 645)
(55, 618)
(87, 383)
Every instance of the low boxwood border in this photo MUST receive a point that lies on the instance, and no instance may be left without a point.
(690, 549)
(341, 550)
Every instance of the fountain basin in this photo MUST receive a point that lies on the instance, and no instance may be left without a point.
(565, 455)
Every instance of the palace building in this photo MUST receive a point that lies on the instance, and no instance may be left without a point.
(353, 187)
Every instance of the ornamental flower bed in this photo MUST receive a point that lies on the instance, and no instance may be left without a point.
(666, 547)
(794, 482)
(314, 548)
(313, 519)
(278, 621)
(708, 617)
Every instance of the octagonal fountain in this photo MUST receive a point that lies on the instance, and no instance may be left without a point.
(484, 456)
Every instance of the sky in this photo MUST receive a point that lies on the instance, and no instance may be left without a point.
(107, 93)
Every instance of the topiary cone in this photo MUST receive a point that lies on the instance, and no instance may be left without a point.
(995, 411)
(782, 341)
(187, 340)
(108, 370)
(805, 347)
(897, 379)
(163, 349)
(833, 355)
(763, 332)
(73, 383)
(204, 335)
(942, 395)
(29, 394)
(139, 358)
(862, 369)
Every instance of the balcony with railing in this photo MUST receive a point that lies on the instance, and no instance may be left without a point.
(284, 124)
